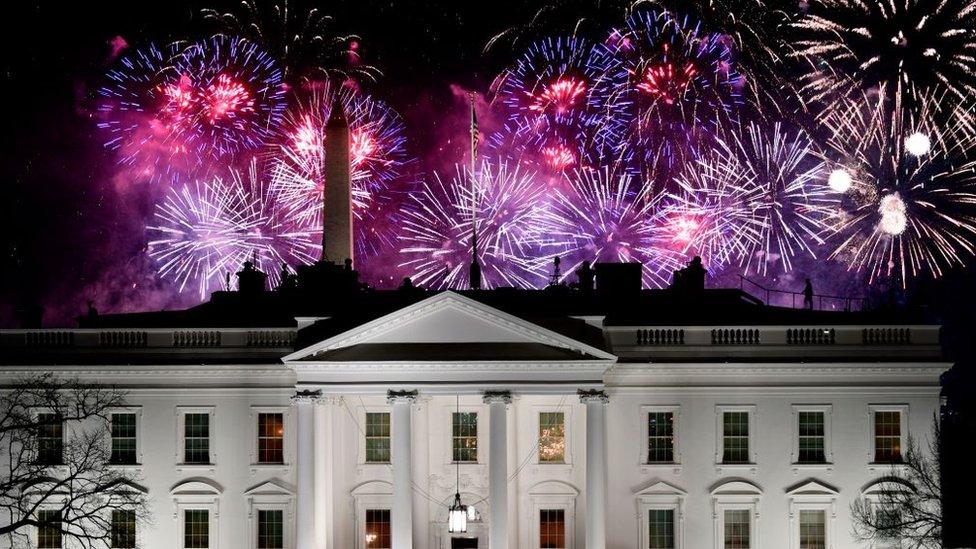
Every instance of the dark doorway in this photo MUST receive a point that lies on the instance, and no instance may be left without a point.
(464, 543)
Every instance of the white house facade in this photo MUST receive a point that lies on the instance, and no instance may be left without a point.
(592, 429)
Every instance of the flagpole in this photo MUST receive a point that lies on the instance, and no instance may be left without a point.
(475, 270)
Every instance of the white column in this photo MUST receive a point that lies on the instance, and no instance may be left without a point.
(596, 468)
(322, 472)
(305, 511)
(402, 512)
(498, 468)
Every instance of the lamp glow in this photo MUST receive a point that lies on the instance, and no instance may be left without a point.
(457, 518)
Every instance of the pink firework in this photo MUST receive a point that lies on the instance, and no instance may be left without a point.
(230, 95)
(560, 97)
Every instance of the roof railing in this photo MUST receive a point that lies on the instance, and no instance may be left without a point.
(797, 300)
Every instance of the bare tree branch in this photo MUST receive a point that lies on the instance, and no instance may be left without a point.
(908, 504)
(73, 478)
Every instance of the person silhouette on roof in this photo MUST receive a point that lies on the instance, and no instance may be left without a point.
(808, 295)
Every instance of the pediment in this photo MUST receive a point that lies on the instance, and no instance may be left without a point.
(661, 488)
(196, 487)
(373, 488)
(273, 487)
(812, 488)
(887, 485)
(553, 488)
(736, 488)
(448, 327)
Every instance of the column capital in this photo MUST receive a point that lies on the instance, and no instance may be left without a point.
(588, 396)
(307, 396)
(393, 397)
(497, 397)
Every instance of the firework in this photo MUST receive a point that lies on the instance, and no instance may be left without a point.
(138, 108)
(911, 206)
(303, 41)
(600, 217)
(677, 82)
(507, 206)
(377, 155)
(204, 231)
(557, 97)
(901, 46)
(230, 93)
(765, 194)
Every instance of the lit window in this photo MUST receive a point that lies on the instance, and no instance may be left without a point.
(378, 529)
(377, 437)
(196, 529)
(813, 529)
(123, 529)
(271, 436)
(552, 528)
(464, 436)
(887, 436)
(50, 441)
(123, 439)
(271, 529)
(196, 441)
(552, 437)
(811, 432)
(660, 529)
(737, 525)
(660, 437)
(49, 530)
(735, 437)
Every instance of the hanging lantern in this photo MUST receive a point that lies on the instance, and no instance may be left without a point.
(457, 521)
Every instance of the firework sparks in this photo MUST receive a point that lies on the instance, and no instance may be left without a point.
(907, 212)
(600, 217)
(763, 195)
(204, 231)
(377, 156)
(231, 96)
(138, 108)
(437, 229)
(678, 83)
(902, 46)
(302, 41)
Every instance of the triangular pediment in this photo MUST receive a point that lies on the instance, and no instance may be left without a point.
(273, 487)
(812, 488)
(448, 327)
(661, 488)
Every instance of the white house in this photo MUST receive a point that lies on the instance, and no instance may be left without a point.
(699, 423)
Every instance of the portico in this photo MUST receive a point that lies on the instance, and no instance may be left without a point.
(449, 347)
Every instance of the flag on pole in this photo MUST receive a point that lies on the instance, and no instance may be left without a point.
(474, 274)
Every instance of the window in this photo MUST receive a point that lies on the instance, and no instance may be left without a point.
(660, 529)
(813, 529)
(49, 531)
(196, 529)
(887, 436)
(552, 437)
(735, 437)
(737, 529)
(812, 433)
(377, 437)
(464, 436)
(271, 436)
(552, 528)
(123, 426)
(378, 529)
(50, 440)
(196, 438)
(660, 437)
(123, 529)
(271, 529)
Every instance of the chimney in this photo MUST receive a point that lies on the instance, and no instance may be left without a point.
(337, 195)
